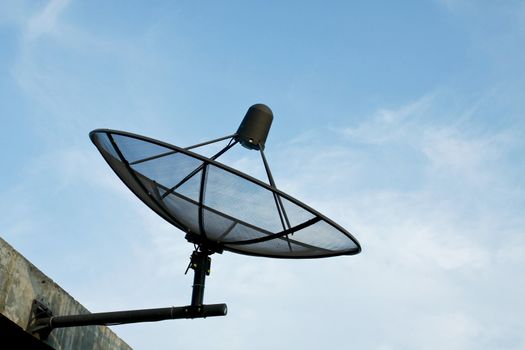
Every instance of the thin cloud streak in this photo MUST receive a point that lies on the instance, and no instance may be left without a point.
(45, 21)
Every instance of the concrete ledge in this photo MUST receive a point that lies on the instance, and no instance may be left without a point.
(21, 282)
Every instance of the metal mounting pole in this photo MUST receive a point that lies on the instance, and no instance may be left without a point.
(200, 263)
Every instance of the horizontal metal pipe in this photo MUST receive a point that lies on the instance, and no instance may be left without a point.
(133, 316)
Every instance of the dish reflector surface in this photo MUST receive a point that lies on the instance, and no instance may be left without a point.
(219, 205)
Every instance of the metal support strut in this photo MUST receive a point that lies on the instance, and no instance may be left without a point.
(43, 323)
(200, 263)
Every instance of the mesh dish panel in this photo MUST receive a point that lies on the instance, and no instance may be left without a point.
(185, 209)
(221, 205)
(137, 150)
(296, 215)
(244, 200)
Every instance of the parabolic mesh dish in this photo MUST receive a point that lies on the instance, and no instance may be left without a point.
(219, 204)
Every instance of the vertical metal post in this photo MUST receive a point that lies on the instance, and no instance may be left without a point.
(200, 263)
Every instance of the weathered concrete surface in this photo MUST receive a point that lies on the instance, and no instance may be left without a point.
(21, 282)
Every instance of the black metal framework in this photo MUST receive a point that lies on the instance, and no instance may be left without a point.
(199, 168)
(42, 321)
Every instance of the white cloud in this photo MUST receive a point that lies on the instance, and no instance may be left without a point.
(512, 249)
(451, 330)
(45, 22)
(391, 124)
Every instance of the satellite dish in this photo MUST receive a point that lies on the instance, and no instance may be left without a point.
(220, 208)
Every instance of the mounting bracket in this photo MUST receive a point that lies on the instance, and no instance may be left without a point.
(42, 321)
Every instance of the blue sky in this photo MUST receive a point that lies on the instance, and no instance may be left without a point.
(404, 122)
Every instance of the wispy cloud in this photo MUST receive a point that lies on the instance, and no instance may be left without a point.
(391, 124)
(45, 22)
